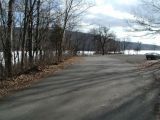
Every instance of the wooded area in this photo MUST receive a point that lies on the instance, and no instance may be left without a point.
(33, 32)
(42, 32)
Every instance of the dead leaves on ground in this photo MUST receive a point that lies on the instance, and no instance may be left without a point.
(25, 80)
(149, 64)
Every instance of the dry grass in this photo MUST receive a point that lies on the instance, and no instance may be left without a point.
(26, 80)
(150, 64)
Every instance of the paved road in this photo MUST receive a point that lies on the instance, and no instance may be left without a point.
(100, 88)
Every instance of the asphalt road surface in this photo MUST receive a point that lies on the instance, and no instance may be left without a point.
(99, 88)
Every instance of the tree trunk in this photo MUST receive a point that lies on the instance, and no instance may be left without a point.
(9, 37)
(25, 24)
(103, 51)
(30, 34)
(37, 44)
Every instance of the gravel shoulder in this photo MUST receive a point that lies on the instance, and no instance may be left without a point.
(99, 88)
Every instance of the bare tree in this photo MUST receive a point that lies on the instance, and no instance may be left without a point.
(9, 37)
(114, 46)
(103, 36)
(138, 47)
(25, 26)
(34, 31)
(146, 19)
(125, 44)
(70, 14)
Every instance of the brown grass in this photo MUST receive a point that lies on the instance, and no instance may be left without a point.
(150, 64)
(26, 80)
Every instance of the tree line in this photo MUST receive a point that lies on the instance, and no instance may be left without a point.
(33, 32)
(105, 40)
(41, 32)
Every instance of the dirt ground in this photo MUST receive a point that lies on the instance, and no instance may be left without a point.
(99, 88)
(26, 80)
(133, 59)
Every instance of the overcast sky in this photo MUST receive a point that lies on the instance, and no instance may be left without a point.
(114, 14)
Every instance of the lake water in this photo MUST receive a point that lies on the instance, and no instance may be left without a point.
(142, 52)
(126, 52)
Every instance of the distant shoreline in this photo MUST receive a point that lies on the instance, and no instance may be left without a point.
(141, 52)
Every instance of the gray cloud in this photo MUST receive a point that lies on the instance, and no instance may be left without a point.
(119, 9)
(123, 6)
(101, 19)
